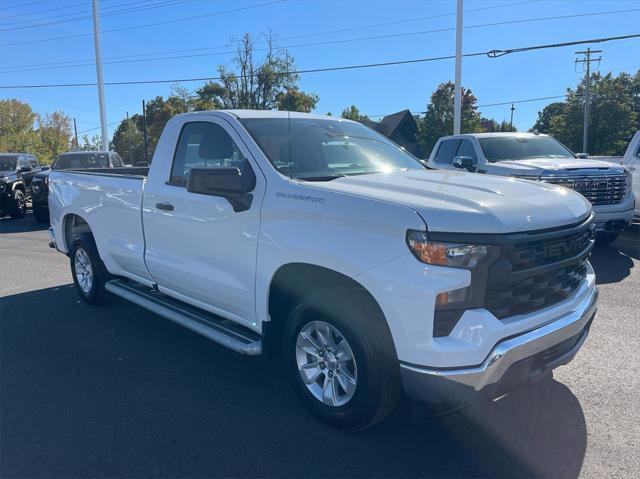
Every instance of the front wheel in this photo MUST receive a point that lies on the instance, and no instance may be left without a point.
(89, 274)
(18, 205)
(342, 360)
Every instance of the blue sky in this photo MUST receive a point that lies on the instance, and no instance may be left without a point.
(298, 23)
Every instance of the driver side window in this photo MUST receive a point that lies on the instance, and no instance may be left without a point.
(204, 145)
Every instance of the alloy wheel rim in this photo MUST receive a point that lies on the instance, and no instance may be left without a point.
(326, 363)
(21, 203)
(84, 271)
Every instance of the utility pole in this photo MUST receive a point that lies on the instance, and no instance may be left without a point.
(98, 52)
(457, 95)
(75, 131)
(144, 129)
(511, 121)
(586, 61)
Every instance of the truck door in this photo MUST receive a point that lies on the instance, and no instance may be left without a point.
(198, 249)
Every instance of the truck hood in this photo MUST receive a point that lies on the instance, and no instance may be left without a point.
(538, 166)
(452, 201)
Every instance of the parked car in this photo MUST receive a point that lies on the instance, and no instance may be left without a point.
(631, 161)
(372, 276)
(16, 172)
(533, 156)
(70, 160)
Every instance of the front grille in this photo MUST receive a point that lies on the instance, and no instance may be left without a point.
(601, 189)
(539, 252)
(534, 292)
(538, 270)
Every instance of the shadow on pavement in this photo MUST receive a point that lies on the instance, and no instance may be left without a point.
(22, 225)
(613, 263)
(117, 391)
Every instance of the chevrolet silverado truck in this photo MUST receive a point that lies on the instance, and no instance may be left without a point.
(537, 157)
(317, 238)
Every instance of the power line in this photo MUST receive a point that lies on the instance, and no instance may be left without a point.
(327, 42)
(165, 22)
(139, 8)
(70, 14)
(490, 54)
(25, 5)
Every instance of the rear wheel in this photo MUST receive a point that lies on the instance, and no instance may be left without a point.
(41, 214)
(89, 274)
(18, 205)
(341, 357)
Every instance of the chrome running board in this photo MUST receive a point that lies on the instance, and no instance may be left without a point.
(220, 330)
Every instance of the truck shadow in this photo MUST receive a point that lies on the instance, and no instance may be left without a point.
(117, 391)
(22, 225)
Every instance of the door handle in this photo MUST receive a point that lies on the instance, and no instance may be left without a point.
(164, 206)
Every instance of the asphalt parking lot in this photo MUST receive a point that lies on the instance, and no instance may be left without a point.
(116, 391)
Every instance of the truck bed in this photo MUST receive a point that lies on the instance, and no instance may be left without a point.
(110, 199)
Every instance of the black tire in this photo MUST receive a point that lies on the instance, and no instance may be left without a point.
(18, 206)
(604, 239)
(378, 387)
(94, 294)
(41, 214)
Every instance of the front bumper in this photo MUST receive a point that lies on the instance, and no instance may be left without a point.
(512, 363)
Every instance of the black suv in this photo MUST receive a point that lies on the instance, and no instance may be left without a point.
(16, 173)
(67, 161)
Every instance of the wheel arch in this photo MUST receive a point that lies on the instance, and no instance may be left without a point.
(293, 280)
(73, 224)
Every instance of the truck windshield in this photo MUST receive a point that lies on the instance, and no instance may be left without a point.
(322, 150)
(81, 160)
(8, 162)
(501, 148)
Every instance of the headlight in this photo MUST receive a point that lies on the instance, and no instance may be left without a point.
(454, 255)
(629, 179)
(450, 305)
(3, 180)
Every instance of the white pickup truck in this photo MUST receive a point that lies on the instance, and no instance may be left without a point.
(319, 238)
(631, 161)
(537, 157)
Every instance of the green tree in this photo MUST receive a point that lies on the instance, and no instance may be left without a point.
(128, 141)
(16, 127)
(93, 143)
(438, 120)
(293, 99)
(614, 114)
(257, 84)
(353, 113)
(490, 125)
(54, 135)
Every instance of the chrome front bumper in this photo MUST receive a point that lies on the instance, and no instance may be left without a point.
(513, 362)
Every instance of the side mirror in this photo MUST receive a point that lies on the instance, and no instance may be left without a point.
(45, 168)
(24, 169)
(229, 183)
(582, 156)
(465, 163)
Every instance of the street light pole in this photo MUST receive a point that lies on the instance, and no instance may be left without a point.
(511, 120)
(96, 41)
(457, 95)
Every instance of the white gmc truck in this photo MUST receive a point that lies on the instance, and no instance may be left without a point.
(319, 238)
(537, 157)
